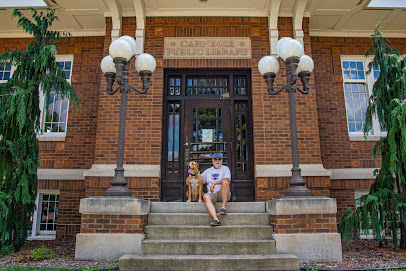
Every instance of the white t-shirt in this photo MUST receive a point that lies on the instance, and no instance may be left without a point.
(212, 175)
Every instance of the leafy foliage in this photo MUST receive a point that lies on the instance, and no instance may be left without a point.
(40, 254)
(384, 208)
(35, 70)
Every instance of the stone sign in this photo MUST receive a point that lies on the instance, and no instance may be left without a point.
(207, 48)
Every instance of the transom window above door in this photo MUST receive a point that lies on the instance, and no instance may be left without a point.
(206, 86)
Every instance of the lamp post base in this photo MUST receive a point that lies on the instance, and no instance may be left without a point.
(297, 191)
(118, 191)
(118, 185)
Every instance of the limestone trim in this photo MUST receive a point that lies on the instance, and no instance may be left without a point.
(292, 206)
(107, 170)
(60, 174)
(352, 173)
(316, 247)
(285, 170)
(116, 16)
(274, 7)
(354, 34)
(139, 7)
(114, 206)
(298, 14)
(107, 246)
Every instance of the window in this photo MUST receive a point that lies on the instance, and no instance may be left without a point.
(5, 72)
(358, 88)
(45, 216)
(54, 119)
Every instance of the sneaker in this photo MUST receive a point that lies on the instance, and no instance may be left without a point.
(223, 211)
(215, 223)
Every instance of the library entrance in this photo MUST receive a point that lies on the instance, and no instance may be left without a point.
(207, 112)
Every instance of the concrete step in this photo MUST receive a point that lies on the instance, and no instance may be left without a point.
(198, 207)
(205, 219)
(207, 247)
(209, 262)
(204, 232)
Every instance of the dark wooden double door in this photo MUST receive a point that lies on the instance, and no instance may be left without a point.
(207, 112)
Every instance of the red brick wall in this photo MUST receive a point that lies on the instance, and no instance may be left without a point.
(343, 192)
(270, 113)
(275, 187)
(146, 188)
(78, 149)
(336, 149)
(98, 223)
(304, 223)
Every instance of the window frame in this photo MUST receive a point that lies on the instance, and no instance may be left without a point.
(12, 69)
(36, 233)
(54, 136)
(369, 81)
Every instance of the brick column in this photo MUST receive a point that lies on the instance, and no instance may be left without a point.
(306, 227)
(111, 227)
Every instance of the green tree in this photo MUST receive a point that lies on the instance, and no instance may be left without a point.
(35, 70)
(384, 208)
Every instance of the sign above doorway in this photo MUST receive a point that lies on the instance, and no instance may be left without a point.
(207, 48)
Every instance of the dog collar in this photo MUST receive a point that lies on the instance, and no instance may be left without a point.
(192, 174)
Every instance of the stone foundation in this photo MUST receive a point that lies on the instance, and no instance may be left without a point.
(111, 227)
(306, 227)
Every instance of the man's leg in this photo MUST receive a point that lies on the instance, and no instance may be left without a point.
(210, 206)
(225, 193)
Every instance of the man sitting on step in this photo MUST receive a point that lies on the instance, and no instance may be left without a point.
(218, 179)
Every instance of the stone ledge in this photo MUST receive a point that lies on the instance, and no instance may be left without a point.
(318, 247)
(352, 173)
(60, 174)
(114, 205)
(107, 246)
(107, 170)
(302, 205)
(286, 170)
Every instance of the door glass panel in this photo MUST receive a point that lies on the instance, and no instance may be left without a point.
(240, 86)
(207, 136)
(206, 86)
(241, 137)
(174, 86)
(173, 137)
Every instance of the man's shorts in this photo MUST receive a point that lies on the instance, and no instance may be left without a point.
(217, 197)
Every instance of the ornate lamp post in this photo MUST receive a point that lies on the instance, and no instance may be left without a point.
(296, 63)
(115, 68)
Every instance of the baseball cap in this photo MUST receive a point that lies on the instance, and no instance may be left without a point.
(217, 155)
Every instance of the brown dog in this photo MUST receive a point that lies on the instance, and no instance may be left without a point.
(195, 183)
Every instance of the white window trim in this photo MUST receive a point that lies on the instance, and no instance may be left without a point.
(54, 136)
(13, 68)
(35, 234)
(369, 81)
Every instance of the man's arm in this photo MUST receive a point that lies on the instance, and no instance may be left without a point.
(219, 182)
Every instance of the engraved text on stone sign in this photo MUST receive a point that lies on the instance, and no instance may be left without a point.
(207, 48)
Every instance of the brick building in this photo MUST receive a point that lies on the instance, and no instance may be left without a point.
(182, 109)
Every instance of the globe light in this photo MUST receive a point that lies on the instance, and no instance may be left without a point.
(121, 48)
(306, 64)
(268, 64)
(107, 65)
(280, 43)
(291, 48)
(145, 62)
(131, 41)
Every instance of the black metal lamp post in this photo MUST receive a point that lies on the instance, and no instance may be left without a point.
(296, 63)
(115, 68)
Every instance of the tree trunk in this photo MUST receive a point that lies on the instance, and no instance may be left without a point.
(402, 243)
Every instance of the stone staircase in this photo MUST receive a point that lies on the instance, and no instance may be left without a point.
(179, 237)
